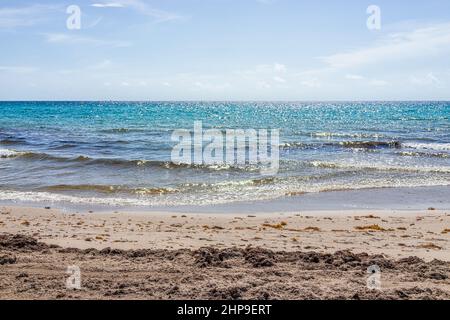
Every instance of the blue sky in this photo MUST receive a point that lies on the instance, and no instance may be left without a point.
(225, 50)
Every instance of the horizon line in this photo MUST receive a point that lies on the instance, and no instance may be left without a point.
(236, 101)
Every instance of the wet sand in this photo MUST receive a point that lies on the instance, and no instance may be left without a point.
(304, 255)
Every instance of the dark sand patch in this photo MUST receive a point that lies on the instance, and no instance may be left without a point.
(35, 270)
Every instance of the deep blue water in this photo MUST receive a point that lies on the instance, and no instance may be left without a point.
(119, 152)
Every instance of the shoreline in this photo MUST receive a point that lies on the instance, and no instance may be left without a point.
(394, 198)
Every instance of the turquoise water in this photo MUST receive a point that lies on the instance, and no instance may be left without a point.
(118, 153)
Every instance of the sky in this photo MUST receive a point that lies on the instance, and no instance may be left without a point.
(225, 50)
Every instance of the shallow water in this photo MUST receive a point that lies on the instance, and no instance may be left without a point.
(118, 153)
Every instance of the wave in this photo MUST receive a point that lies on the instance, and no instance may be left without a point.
(120, 130)
(394, 144)
(371, 144)
(135, 130)
(347, 135)
(155, 191)
(423, 154)
(109, 189)
(377, 167)
(10, 195)
(7, 153)
(297, 145)
(344, 144)
(11, 141)
(247, 182)
(64, 146)
(38, 156)
(428, 146)
(204, 199)
(212, 167)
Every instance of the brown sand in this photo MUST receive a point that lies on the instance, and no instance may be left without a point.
(321, 255)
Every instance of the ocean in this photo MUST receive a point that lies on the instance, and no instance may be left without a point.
(119, 153)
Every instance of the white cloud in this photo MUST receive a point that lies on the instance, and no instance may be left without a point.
(211, 86)
(417, 43)
(264, 84)
(279, 79)
(69, 39)
(378, 83)
(311, 83)
(23, 16)
(17, 69)
(427, 80)
(143, 8)
(365, 80)
(268, 68)
(263, 70)
(354, 77)
(93, 23)
(101, 65)
(107, 5)
(278, 67)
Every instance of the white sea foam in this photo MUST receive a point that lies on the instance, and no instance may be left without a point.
(229, 193)
(346, 135)
(7, 153)
(381, 167)
(427, 146)
(31, 196)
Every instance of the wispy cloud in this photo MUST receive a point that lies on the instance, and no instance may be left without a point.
(25, 16)
(429, 42)
(265, 75)
(101, 65)
(311, 83)
(265, 1)
(365, 80)
(278, 67)
(70, 39)
(279, 79)
(416, 43)
(354, 77)
(264, 70)
(426, 80)
(17, 69)
(378, 83)
(143, 8)
(211, 86)
(107, 5)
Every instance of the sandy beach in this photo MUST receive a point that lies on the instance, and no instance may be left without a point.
(298, 255)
